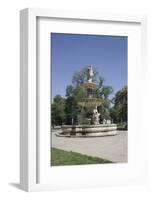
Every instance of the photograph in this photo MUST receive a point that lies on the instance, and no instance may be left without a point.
(83, 100)
(89, 99)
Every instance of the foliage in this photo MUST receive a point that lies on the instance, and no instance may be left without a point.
(58, 110)
(61, 157)
(74, 95)
(76, 92)
(103, 109)
(68, 111)
(119, 110)
(122, 126)
(71, 110)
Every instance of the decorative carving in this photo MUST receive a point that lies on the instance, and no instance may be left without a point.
(95, 116)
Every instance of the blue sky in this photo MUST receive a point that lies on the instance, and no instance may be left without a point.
(71, 52)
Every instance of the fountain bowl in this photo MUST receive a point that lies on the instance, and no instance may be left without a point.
(88, 130)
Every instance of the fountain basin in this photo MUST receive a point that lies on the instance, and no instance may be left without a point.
(88, 130)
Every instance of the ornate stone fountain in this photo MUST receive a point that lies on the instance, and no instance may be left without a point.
(90, 127)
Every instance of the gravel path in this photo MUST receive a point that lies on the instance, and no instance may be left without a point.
(113, 148)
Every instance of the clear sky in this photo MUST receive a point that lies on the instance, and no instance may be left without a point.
(71, 52)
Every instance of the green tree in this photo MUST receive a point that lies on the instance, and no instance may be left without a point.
(74, 95)
(104, 110)
(58, 110)
(71, 110)
(76, 92)
(119, 110)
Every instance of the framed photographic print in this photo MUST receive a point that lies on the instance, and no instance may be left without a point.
(82, 77)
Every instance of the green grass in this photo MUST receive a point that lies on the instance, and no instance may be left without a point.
(61, 157)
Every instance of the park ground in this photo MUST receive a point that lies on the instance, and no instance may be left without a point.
(110, 148)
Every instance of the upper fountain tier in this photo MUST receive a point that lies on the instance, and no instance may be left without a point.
(90, 102)
(90, 84)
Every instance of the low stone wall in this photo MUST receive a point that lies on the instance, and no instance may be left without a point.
(88, 130)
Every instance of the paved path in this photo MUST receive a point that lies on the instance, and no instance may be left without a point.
(113, 148)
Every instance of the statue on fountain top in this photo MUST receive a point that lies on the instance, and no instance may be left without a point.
(90, 74)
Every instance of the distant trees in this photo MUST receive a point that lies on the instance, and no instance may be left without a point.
(119, 110)
(58, 111)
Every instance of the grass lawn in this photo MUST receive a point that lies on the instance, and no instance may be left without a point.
(61, 157)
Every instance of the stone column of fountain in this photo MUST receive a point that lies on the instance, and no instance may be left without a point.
(91, 102)
(91, 126)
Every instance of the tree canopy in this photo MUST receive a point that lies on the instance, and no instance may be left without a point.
(119, 110)
(66, 110)
(58, 110)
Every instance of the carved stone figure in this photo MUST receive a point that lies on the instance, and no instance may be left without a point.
(90, 74)
(96, 116)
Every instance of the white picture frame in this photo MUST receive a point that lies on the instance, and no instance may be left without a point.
(30, 166)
